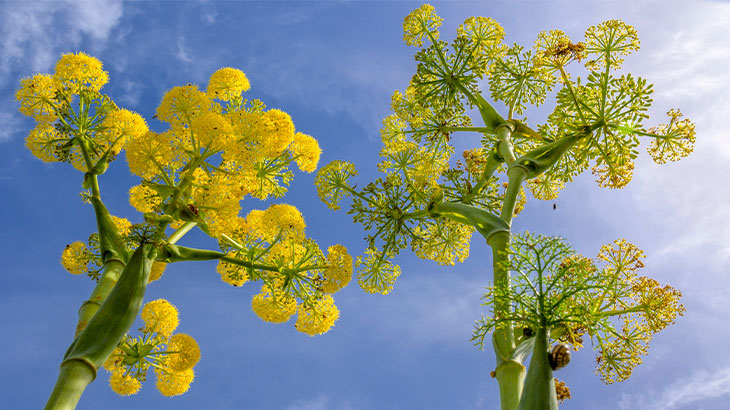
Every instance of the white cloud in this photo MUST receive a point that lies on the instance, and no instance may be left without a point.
(685, 393)
(33, 34)
(182, 52)
(11, 125)
(321, 402)
(318, 403)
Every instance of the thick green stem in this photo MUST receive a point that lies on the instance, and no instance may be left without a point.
(72, 380)
(106, 328)
(112, 269)
(539, 392)
(510, 375)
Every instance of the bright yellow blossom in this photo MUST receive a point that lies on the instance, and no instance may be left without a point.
(120, 126)
(339, 269)
(319, 318)
(211, 130)
(419, 23)
(171, 383)
(146, 155)
(37, 96)
(227, 84)
(144, 199)
(181, 104)
(156, 271)
(160, 316)
(43, 141)
(75, 258)
(609, 40)
(279, 132)
(306, 152)
(234, 275)
(284, 219)
(273, 306)
(123, 385)
(442, 241)
(124, 227)
(186, 352)
(80, 71)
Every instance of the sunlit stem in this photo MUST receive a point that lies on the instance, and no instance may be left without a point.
(249, 265)
(177, 235)
(506, 149)
(112, 269)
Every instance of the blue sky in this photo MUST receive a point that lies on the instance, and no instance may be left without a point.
(333, 66)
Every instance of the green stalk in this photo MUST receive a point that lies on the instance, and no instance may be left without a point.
(510, 373)
(112, 269)
(72, 380)
(539, 392)
(104, 331)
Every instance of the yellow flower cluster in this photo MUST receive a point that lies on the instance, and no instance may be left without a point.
(661, 303)
(622, 258)
(278, 220)
(555, 49)
(376, 274)
(144, 199)
(485, 36)
(122, 383)
(43, 141)
(419, 23)
(172, 356)
(119, 127)
(185, 352)
(331, 182)
(234, 275)
(148, 154)
(443, 241)
(274, 305)
(37, 96)
(339, 269)
(181, 104)
(156, 271)
(306, 152)
(78, 72)
(609, 40)
(317, 318)
(672, 141)
(75, 258)
(173, 383)
(89, 138)
(160, 316)
(227, 84)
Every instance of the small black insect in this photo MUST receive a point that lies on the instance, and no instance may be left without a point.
(555, 206)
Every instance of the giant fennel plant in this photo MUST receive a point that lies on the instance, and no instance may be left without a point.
(544, 298)
(216, 149)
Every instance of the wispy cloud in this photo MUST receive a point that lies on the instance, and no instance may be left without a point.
(182, 51)
(321, 402)
(685, 393)
(34, 33)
